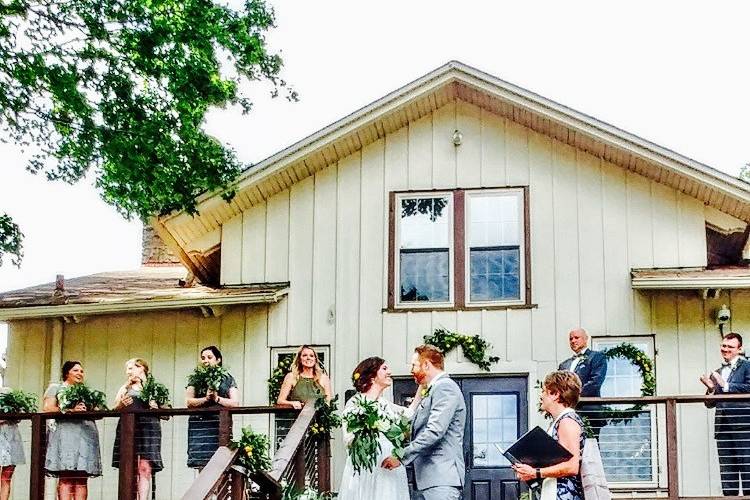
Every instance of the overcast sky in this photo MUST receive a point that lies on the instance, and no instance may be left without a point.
(675, 73)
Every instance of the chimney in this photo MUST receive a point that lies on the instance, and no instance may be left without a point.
(154, 252)
(59, 283)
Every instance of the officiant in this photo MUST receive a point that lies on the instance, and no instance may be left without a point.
(560, 393)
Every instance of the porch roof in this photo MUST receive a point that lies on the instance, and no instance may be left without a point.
(144, 289)
(690, 278)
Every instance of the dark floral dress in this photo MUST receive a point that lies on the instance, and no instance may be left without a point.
(570, 487)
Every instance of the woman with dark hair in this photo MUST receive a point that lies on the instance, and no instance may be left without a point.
(371, 377)
(560, 393)
(203, 429)
(147, 427)
(73, 453)
(306, 381)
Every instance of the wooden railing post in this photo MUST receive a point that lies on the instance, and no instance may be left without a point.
(324, 465)
(127, 481)
(225, 427)
(38, 447)
(672, 457)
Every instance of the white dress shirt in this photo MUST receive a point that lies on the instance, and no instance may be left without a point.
(578, 358)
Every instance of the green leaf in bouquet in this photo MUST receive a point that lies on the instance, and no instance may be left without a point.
(155, 391)
(73, 394)
(18, 401)
(206, 377)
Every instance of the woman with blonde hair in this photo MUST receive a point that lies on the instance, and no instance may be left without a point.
(306, 381)
(147, 439)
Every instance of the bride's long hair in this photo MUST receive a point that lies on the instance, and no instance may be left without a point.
(365, 372)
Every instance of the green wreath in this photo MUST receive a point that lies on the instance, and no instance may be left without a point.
(644, 364)
(474, 347)
(277, 378)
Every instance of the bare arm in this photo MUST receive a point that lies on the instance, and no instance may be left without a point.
(121, 401)
(233, 399)
(286, 388)
(325, 382)
(191, 401)
(49, 405)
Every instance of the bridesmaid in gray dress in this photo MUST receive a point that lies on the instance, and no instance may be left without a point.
(73, 453)
(11, 454)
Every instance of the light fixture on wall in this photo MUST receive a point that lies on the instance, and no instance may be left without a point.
(457, 137)
(723, 315)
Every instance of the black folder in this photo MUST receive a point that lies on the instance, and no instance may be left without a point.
(537, 449)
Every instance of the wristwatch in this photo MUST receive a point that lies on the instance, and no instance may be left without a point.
(539, 473)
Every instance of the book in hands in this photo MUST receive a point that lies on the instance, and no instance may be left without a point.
(537, 449)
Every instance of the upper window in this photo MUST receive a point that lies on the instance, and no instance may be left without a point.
(458, 249)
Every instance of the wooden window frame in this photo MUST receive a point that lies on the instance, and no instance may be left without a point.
(458, 264)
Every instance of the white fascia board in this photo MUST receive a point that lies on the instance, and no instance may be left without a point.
(690, 284)
(34, 312)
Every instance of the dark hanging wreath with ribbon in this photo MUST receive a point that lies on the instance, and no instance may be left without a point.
(474, 347)
(645, 366)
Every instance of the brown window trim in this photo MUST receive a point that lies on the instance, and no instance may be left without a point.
(459, 253)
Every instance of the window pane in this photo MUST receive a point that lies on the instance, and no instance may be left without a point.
(425, 223)
(424, 255)
(424, 276)
(494, 424)
(495, 274)
(494, 220)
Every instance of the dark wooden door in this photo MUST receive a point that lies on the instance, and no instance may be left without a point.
(496, 414)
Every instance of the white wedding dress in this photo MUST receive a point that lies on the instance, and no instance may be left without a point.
(380, 484)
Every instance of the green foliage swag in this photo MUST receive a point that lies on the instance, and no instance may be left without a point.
(474, 347)
(73, 394)
(645, 366)
(327, 417)
(277, 378)
(156, 392)
(120, 89)
(206, 377)
(18, 401)
(253, 451)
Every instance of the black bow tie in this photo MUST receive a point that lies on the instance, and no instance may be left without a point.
(726, 365)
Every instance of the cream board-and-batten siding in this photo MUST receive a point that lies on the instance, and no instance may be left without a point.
(596, 212)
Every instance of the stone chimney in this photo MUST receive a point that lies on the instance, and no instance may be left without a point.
(154, 251)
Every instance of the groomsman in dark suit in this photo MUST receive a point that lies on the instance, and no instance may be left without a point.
(591, 368)
(732, 420)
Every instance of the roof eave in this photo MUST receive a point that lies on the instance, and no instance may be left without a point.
(724, 283)
(37, 312)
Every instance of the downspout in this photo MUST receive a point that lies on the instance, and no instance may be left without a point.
(55, 358)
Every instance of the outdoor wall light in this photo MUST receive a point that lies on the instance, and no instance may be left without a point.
(723, 315)
(457, 137)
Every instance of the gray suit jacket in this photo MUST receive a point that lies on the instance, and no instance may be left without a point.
(437, 446)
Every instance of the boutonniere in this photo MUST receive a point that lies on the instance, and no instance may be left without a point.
(426, 392)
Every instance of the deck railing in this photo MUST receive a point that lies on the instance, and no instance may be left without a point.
(303, 460)
(667, 433)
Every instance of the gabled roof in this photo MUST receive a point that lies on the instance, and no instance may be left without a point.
(421, 97)
(145, 289)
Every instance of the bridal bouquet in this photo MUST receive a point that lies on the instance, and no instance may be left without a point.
(366, 420)
(205, 377)
(71, 395)
(17, 401)
(155, 391)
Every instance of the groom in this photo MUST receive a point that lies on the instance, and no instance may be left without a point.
(436, 448)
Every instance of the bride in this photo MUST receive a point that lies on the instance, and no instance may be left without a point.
(371, 377)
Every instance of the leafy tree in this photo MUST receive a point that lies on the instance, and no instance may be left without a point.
(120, 89)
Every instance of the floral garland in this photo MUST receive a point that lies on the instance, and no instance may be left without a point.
(645, 366)
(277, 378)
(474, 347)
(253, 451)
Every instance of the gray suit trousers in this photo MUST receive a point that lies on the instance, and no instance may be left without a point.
(438, 493)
